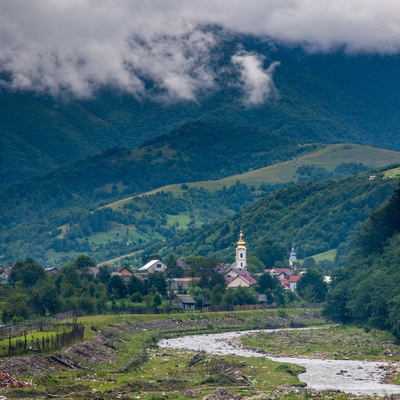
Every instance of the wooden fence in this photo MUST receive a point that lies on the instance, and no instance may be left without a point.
(16, 330)
(68, 334)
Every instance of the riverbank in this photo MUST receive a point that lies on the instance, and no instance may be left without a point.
(353, 377)
(120, 359)
(335, 343)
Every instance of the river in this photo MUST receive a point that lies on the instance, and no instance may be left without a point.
(349, 376)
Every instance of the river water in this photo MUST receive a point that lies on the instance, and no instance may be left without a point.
(356, 377)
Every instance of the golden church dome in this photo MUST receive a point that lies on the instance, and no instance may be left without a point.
(241, 244)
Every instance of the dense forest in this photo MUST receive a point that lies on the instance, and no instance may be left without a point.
(32, 212)
(365, 290)
(313, 216)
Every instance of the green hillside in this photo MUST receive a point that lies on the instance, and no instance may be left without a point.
(327, 157)
(315, 217)
(84, 208)
(34, 212)
(366, 290)
(319, 98)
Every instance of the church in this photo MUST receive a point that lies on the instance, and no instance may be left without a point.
(241, 256)
(237, 274)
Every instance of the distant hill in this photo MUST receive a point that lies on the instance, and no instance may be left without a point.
(325, 159)
(32, 211)
(321, 98)
(315, 217)
(85, 208)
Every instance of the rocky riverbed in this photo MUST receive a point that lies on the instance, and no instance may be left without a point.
(350, 376)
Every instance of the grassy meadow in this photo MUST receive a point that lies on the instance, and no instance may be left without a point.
(328, 157)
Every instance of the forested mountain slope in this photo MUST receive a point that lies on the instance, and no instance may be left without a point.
(64, 213)
(314, 217)
(32, 212)
(366, 290)
(324, 98)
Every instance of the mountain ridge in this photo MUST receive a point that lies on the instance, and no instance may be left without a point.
(40, 133)
(69, 211)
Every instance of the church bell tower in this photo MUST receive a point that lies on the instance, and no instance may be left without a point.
(241, 252)
(293, 259)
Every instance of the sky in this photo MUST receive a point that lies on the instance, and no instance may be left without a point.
(79, 46)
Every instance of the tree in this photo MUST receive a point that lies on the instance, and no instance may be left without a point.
(272, 288)
(156, 282)
(197, 293)
(116, 287)
(27, 273)
(240, 296)
(68, 281)
(16, 305)
(83, 262)
(269, 252)
(196, 264)
(104, 274)
(308, 262)
(312, 287)
(381, 225)
(45, 299)
(255, 265)
(157, 299)
(135, 285)
(217, 295)
(336, 303)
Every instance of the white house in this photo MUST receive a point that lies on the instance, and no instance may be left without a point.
(153, 266)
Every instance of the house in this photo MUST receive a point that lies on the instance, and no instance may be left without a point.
(280, 273)
(293, 282)
(285, 276)
(179, 285)
(184, 302)
(153, 266)
(223, 269)
(285, 283)
(234, 272)
(262, 298)
(5, 276)
(52, 271)
(93, 271)
(183, 266)
(240, 280)
(124, 272)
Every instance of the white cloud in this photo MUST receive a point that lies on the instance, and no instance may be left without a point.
(256, 82)
(80, 45)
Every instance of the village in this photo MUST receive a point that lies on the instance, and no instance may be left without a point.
(235, 275)
(194, 284)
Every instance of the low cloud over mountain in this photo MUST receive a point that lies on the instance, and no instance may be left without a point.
(161, 48)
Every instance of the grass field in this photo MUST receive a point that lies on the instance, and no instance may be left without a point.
(392, 173)
(328, 157)
(117, 231)
(327, 255)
